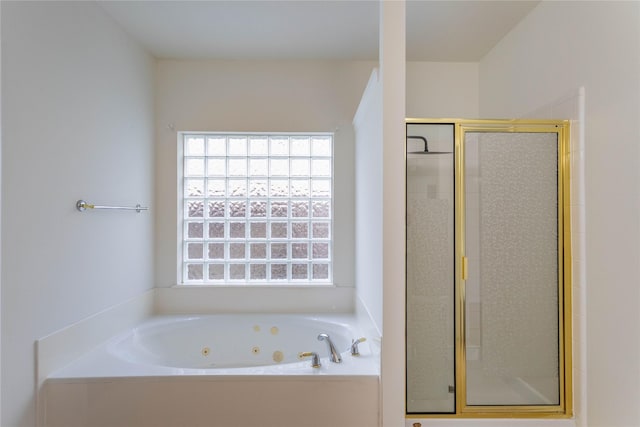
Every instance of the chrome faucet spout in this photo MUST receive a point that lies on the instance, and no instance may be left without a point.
(335, 356)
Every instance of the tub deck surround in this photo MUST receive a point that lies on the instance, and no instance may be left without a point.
(155, 375)
(68, 344)
(165, 346)
(223, 402)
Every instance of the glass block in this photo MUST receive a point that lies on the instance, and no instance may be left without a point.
(237, 146)
(195, 250)
(258, 167)
(237, 187)
(238, 208)
(195, 208)
(300, 146)
(279, 145)
(237, 230)
(258, 271)
(300, 209)
(258, 230)
(299, 272)
(216, 167)
(216, 188)
(194, 145)
(258, 250)
(278, 230)
(258, 146)
(194, 167)
(216, 230)
(216, 208)
(195, 230)
(321, 209)
(216, 271)
(279, 188)
(320, 250)
(278, 271)
(320, 188)
(265, 159)
(258, 209)
(300, 188)
(300, 167)
(195, 271)
(194, 187)
(299, 250)
(237, 250)
(258, 188)
(236, 271)
(320, 230)
(299, 230)
(320, 271)
(279, 167)
(321, 145)
(216, 146)
(279, 209)
(216, 251)
(278, 251)
(237, 167)
(321, 167)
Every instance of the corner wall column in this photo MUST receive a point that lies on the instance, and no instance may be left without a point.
(392, 76)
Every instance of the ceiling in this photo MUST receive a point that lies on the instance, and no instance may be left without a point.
(453, 30)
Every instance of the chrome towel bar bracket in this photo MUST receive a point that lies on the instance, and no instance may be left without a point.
(82, 206)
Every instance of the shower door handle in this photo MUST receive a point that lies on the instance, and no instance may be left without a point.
(465, 268)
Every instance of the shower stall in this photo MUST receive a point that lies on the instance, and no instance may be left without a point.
(488, 269)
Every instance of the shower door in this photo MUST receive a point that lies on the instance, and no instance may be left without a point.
(430, 268)
(507, 299)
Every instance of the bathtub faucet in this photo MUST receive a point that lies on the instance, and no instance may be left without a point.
(335, 356)
(315, 360)
(354, 346)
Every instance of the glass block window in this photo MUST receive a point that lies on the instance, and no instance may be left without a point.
(256, 208)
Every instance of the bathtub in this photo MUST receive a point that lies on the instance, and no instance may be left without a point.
(230, 341)
(220, 370)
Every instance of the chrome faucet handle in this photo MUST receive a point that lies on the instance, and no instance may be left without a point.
(315, 360)
(354, 346)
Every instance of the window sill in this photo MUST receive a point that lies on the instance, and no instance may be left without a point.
(246, 285)
(205, 299)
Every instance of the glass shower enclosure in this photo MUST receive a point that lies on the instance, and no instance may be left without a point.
(488, 268)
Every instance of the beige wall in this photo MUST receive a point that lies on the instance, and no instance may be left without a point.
(368, 218)
(258, 96)
(559, 47)
(77, 107)
(442, 90)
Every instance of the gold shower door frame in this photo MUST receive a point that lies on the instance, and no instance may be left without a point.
(565, 407)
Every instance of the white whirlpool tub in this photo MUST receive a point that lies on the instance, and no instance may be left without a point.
(219, 370)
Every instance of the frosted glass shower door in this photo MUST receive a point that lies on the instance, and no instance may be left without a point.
(430, 235)
(488, 269)
(511, 242)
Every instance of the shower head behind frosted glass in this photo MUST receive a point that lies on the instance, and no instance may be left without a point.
(426, 146)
